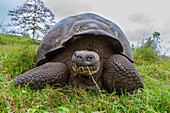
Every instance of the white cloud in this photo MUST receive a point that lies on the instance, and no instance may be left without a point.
(141, 19)
(134, 17)
(65, 8)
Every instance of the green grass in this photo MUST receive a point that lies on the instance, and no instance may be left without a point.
(18, 58)
(12, 39)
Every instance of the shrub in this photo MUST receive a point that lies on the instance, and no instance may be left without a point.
(148, 52)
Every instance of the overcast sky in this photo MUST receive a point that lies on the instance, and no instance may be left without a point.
(137, 18)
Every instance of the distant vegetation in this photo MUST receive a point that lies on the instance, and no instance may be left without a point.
(32, 18)
(18, 56)
(149, 52)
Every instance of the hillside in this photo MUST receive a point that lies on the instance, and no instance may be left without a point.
(12, 39)
(18, 56)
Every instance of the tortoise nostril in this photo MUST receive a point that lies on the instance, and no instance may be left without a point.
(89, 57)
(79, 57)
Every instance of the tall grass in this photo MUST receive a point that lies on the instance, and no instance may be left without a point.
(17, 59)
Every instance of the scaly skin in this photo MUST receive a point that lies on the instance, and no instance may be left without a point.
(120, 74)
(52, 73)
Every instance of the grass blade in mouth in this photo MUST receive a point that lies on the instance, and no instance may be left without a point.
(94, 80)
(84, 70)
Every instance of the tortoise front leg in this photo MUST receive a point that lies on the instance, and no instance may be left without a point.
(52, 73)
(120, 74)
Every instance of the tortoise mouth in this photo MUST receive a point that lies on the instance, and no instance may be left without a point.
(85, 70)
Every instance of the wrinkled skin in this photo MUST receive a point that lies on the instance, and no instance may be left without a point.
(80, 50)
(118, 73)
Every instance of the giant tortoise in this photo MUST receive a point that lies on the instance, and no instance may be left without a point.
(83, 51)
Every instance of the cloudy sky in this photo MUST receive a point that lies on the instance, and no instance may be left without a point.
(137, 18)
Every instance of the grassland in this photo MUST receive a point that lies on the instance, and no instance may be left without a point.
(19, 56)
(12, 39)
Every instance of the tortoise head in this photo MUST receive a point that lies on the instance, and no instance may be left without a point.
(85, 62)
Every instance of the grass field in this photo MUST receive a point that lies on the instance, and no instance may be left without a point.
(19, 56)
(12, 39)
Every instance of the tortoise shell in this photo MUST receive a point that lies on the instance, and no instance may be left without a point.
(70, 28)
